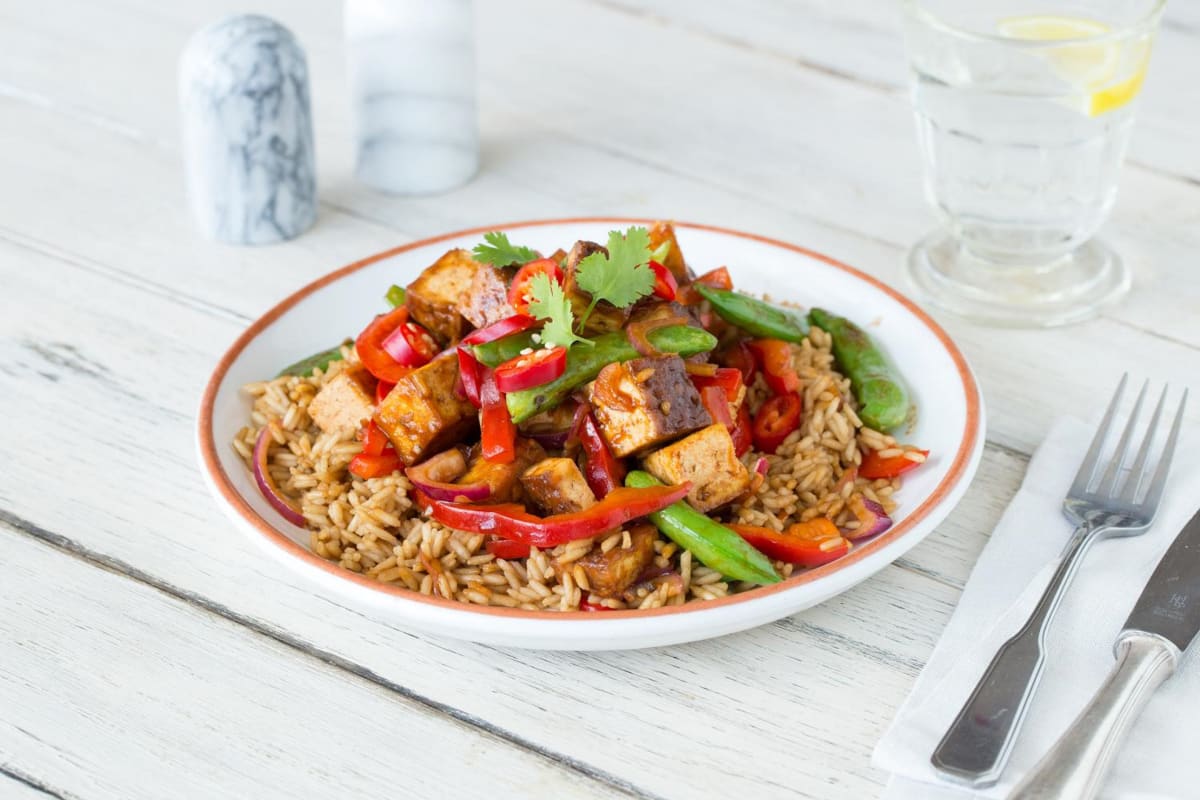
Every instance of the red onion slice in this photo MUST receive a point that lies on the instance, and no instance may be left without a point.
(266, 484)
(434, 478)
(872, 519)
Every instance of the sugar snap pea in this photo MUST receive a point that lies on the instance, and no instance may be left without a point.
(584, 362)
(305, 366)
(882, 399)
(715, 545)
(759, 318)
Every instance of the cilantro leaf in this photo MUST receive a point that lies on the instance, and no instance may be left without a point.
(548, 301)
(499, 252)
(623, 276)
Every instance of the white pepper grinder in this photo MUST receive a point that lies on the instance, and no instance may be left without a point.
(411, 67)
(247, 131)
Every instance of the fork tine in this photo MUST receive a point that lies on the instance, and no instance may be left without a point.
(1087, 469)
(1134, 482)
(1108, 484)
(1154, 493)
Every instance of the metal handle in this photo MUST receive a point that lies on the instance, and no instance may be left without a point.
(1079, 760)
(977, 745)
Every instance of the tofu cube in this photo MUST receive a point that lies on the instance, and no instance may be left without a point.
(557, 486)
(486, 300)
(423, 415)
(503, 479)
(707, 459)
(345, 403)
(646, 402)
(610, 574)
(435, 298)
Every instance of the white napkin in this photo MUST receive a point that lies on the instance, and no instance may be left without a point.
(1161, 755)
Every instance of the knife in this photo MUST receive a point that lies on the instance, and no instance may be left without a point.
(1162, 625)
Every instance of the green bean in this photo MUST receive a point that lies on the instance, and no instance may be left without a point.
(757, 317)
(585, 362)
(882, 399)
(716, 546)
(305, 366)
(497, 351)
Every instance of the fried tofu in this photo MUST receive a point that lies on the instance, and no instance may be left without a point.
(557, 486)
(345, 402)
(436, 297)
(646, 402)
(486, 300)
(609, 574)
(707, 459)
(665, 232)
(503, 479)
(423, 415)
(605, 316)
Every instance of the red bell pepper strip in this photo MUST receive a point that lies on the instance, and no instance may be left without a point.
(727, 379)
(518, 290)
(369, 346)
(714, 400)
(774, 358)
(533, 370)
(742, 433)
(374, 440)
(603, 471)
(468, 374)
(507, 549)
(874, 467)
(365, 466)
(717, 278)
(778, 417)
(665, 285)
(512, 521)
(499, 434)
(738, 356)
(808, 544)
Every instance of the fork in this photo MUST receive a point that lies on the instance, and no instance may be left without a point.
(1102, 505)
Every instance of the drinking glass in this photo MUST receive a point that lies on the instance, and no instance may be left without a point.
(1024, 110)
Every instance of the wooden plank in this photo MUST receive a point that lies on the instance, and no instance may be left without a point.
(849, 660)
(112, 689)
(23, 787)
(862, 41)
(809, 172)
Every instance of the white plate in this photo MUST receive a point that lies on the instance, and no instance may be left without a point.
(950, 423)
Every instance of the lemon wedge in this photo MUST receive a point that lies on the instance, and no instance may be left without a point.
(1093, 66)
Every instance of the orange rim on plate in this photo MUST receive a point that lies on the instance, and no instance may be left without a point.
(221, 479)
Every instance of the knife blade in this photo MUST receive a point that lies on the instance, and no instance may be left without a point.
(1164, 621)
(1170, 604)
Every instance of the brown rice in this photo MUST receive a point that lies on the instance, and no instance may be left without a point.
(371, 526)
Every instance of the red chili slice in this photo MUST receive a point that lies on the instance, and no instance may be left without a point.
(665, 285)
(411, 345)
(369, 346)
(777, 418)
(498, 330)
(518, 291)
(527, 371)
(469, 373)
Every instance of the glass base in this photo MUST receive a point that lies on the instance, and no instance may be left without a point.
(1071, 288)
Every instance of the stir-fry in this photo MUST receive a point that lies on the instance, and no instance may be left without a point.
(592, 429)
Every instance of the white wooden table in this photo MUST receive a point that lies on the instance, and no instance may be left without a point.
(148, 650)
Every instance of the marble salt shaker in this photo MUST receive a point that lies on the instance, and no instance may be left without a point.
(247, 131)
(411, 67)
